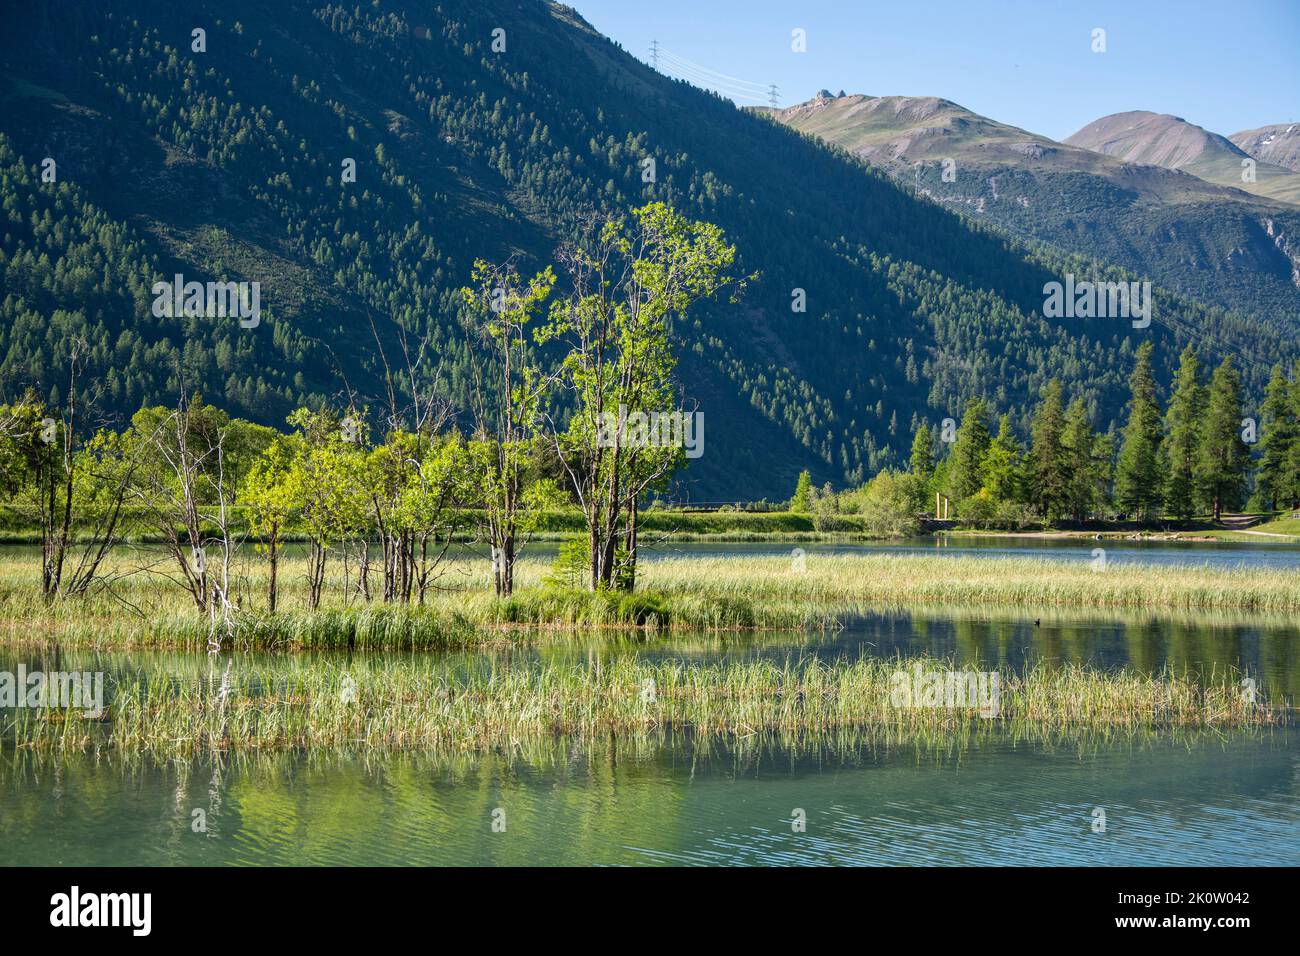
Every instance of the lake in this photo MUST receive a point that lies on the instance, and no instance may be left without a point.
(1223, 801)
(1207, 799)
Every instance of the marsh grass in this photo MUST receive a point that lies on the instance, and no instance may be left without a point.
(145, 609)
(423, 703)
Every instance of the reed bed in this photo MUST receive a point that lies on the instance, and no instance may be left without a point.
(857, 580)
(673, 593)
(381, 704)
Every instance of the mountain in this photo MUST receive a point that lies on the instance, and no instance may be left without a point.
(1279, 144)
(1158, 139)
(1212, 242)
(488, 128)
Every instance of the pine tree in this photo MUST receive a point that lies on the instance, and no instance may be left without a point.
(965, 477)
(1278, 433)
(1084, 468)
(1003, 467)
(802, 499)
(1223, 458)
(1138, 480)
(1047, 469)
(1289, 493)
(1182, 436)
(922, 460)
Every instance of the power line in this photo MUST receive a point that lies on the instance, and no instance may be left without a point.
(709, 81)
(731, 80)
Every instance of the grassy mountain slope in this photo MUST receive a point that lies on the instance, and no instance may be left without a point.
(226, 164)
(1278, 144)
(1211, 242)
(1157, 139)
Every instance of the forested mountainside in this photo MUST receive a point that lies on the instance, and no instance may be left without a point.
(226, 164)
(1212, 241)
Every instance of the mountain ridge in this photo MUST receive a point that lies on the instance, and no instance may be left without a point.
(1278, 143)
(1211, 241)
(1160, 139)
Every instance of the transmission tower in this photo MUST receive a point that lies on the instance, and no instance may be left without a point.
(772, 96)
(654, 54)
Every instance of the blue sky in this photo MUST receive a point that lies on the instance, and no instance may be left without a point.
(1227, 66)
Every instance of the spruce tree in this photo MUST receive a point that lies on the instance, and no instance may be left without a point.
(1138, 480)
(1083, 467)
(1289, 492)
(802, 499)
(1277, 441)
(1223, 459)
(1003, 467)
(966, 474)
(1182, 436)
(1047, 470)
(922, 460)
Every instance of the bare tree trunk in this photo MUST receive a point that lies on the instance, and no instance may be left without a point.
(629, 544)
(364, 571)
(274, 554)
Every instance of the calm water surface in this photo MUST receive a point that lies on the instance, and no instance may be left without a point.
(1228, 802)
(1216, 554)
(1204, 799)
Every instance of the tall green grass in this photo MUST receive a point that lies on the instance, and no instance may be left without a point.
(380, 703)
(679, 593)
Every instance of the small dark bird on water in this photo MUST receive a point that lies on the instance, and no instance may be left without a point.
(1036, 622)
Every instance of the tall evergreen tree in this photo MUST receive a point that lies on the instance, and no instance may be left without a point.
(1139, 486)
(1182, 436)
(1223, 459)
(1086, 462)
(922, 461)
(1003, 465)
(1278, 433)
(802, 499)
(965, 475)
(1047, 468)
(1289, 492)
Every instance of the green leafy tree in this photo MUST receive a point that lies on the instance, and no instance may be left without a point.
(887, 505)
(629, 278)
(329, 484)
(506, 401)
(269, 501)
(430, 508)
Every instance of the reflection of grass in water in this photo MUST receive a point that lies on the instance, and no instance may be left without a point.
(664, 746)
(424, 703)
(707, 593)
